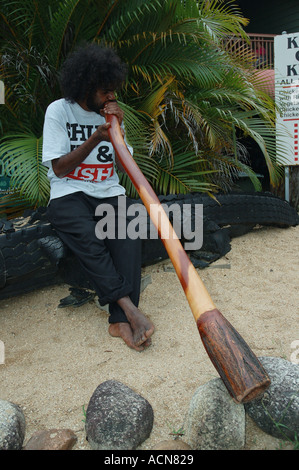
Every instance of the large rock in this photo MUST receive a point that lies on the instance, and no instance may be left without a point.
(117, 418)
(214, 421)
(277, 411)
(12, 426)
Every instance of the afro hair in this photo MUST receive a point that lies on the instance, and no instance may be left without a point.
(89, 68)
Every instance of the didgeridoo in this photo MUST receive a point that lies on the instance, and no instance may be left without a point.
(239, 368)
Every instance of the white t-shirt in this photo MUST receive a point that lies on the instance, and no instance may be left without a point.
(67, 126)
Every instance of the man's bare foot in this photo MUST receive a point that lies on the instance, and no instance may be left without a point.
(124, 331)
(142, 328)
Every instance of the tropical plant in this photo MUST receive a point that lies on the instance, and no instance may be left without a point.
(187, 99)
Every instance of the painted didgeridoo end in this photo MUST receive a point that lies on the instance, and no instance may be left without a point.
(238, 367)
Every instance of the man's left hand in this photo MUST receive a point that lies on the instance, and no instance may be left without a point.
(112, 107)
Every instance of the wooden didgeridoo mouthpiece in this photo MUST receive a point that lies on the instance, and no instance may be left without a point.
(239, 368)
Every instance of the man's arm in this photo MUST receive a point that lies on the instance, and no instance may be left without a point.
(63, 165)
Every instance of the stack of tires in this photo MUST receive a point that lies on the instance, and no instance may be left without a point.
(33, 256)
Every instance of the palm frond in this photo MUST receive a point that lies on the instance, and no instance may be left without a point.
(22, 155)
(13, 204)
(184, 175)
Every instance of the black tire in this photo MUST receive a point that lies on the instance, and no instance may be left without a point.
(24, 265)
(33, 256)
(243, 209)
(237, 212)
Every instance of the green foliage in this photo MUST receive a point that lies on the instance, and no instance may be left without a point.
(187, 99)
(22, 154)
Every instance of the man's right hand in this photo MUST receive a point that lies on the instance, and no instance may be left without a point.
(102, 132)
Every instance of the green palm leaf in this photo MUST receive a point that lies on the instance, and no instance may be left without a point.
(22, 159)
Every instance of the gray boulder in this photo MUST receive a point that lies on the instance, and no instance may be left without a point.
(214, 421)
(12, 426)
(277, 411)
(117, 418)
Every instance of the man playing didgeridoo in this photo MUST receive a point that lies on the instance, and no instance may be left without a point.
(80, 157)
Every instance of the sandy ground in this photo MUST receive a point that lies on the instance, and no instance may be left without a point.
(56, 357)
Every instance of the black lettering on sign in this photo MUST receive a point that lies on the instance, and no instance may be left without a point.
(292, 70)
(292, 43)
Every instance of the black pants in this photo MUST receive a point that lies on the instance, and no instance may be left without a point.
(113, 266)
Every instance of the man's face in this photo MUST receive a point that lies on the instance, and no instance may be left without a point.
(96, 102)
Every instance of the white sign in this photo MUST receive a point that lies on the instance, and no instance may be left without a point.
(286, 55)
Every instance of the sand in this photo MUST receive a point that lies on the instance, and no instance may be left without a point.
(56, 357)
